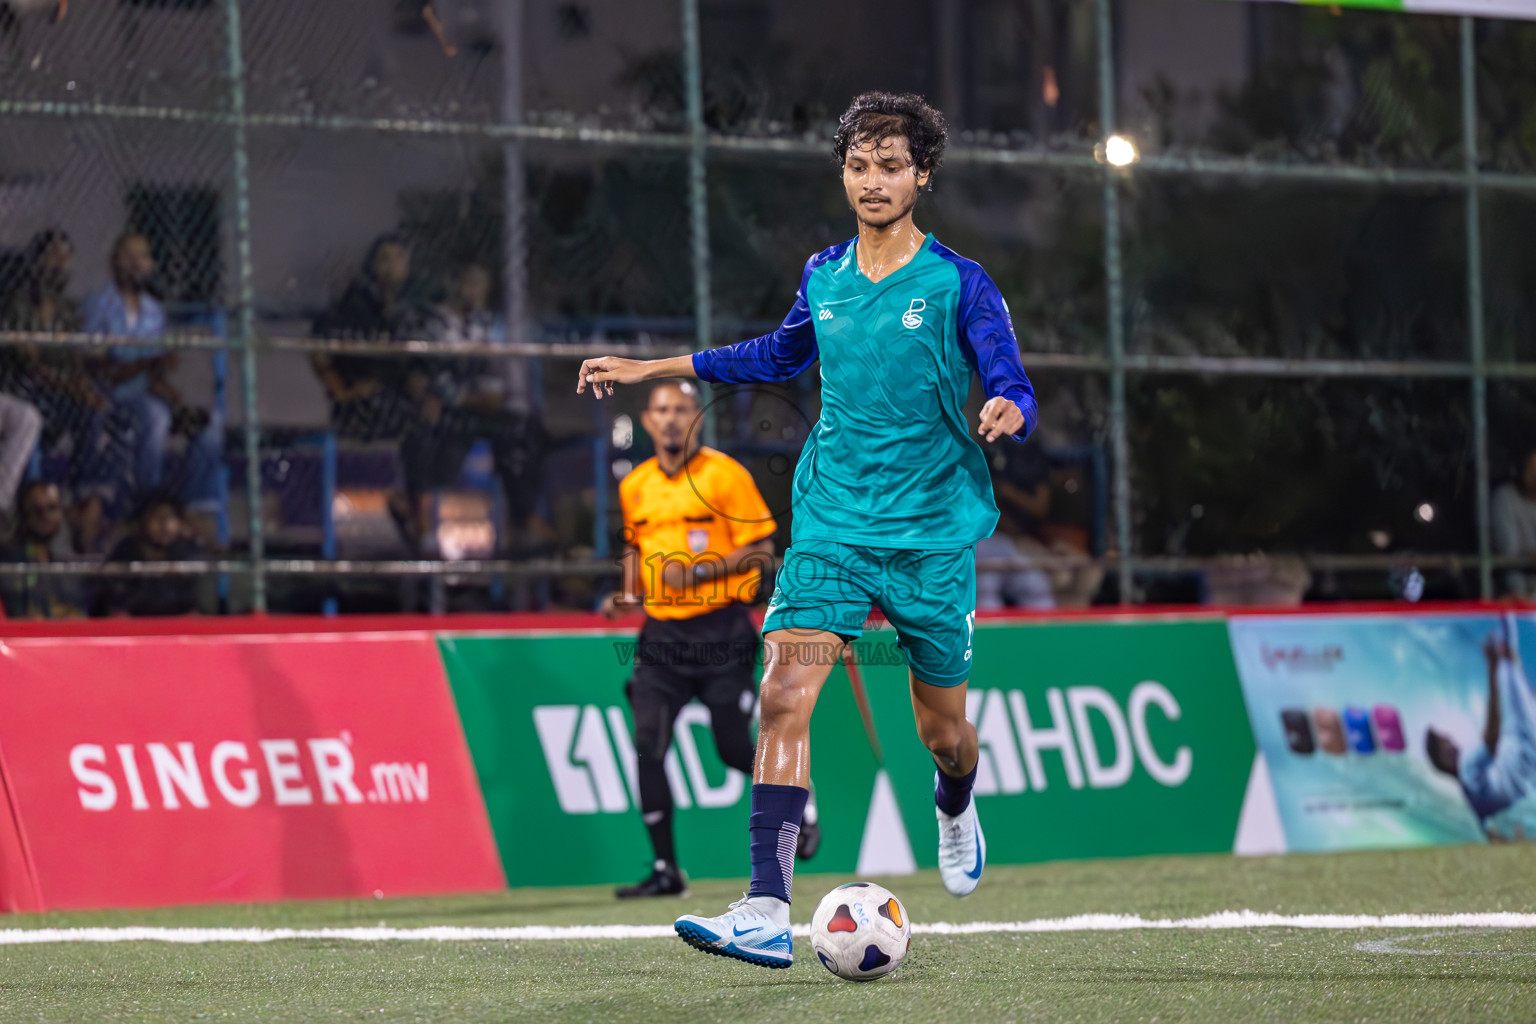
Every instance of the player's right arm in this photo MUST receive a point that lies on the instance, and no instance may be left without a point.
(778, 356)
(606, 371)
(773, 357)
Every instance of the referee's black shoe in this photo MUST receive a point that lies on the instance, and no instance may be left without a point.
(664, 880)
(808, 841)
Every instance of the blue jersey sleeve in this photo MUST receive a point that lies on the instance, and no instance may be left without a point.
(986, 334)
(777, 356)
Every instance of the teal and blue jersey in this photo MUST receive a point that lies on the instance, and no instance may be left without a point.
(892, 463)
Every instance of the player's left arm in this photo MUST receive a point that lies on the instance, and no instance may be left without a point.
(987, 336)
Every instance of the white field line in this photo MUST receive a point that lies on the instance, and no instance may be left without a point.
(1231, 919)
(1394, 947)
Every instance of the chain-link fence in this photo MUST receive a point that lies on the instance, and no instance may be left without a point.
(294, 293)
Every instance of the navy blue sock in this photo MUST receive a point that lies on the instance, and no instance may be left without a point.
(774, 827)
(954, 795)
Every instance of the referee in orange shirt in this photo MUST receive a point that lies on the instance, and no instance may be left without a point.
(698, 535)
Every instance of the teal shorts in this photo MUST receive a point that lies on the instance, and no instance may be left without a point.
(929, 596)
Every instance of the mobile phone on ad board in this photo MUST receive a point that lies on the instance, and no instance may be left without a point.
(1389, 727)
(1357, 725)
(1298, 730)
(1330, 731)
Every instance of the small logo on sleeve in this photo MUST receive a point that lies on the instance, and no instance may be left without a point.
(913, 318)
(825, 314)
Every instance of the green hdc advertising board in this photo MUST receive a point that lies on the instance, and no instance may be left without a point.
(1097, 739)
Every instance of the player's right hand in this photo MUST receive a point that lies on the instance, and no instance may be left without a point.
(604, 371)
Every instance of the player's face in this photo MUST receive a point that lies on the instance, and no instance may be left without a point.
(669, 419)
(880, 180)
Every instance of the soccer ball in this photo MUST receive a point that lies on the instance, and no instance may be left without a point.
(860, 931)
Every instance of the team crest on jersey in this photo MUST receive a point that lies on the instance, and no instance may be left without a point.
(913, 318)
(698, 541)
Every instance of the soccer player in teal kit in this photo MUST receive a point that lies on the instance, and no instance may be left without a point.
(891, 495)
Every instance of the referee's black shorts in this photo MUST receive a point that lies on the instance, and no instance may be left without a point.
(712, 656)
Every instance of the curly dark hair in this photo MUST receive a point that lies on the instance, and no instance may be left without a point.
(873, 116)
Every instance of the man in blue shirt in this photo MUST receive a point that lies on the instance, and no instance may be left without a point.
(1499, 770)
(891, 495)
(143, 398)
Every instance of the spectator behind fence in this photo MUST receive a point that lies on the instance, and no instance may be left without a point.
(144, 400)
(368, 391)
(57, 379)
(1013, 579)
(42, 536)
(1257, 580)
(466, 315)
(1022, 481)
(20, 426)
(461, 400)
(1513, 514)
(160, 534)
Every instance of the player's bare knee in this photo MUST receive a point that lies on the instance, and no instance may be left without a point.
(944, 739)
(784, 704)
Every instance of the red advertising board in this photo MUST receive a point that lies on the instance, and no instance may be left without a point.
(155, 770)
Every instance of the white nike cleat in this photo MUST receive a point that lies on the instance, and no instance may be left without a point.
(755, 929)
(962, 850)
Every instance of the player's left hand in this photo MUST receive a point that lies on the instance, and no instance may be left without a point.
(998, 417)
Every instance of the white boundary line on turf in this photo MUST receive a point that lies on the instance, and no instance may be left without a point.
(1230, 919)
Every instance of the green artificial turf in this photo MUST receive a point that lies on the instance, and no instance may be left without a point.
(1256, 974)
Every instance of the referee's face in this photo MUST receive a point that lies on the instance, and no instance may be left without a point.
(669, 418)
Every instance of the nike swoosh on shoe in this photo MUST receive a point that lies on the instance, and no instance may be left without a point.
(976, 871)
